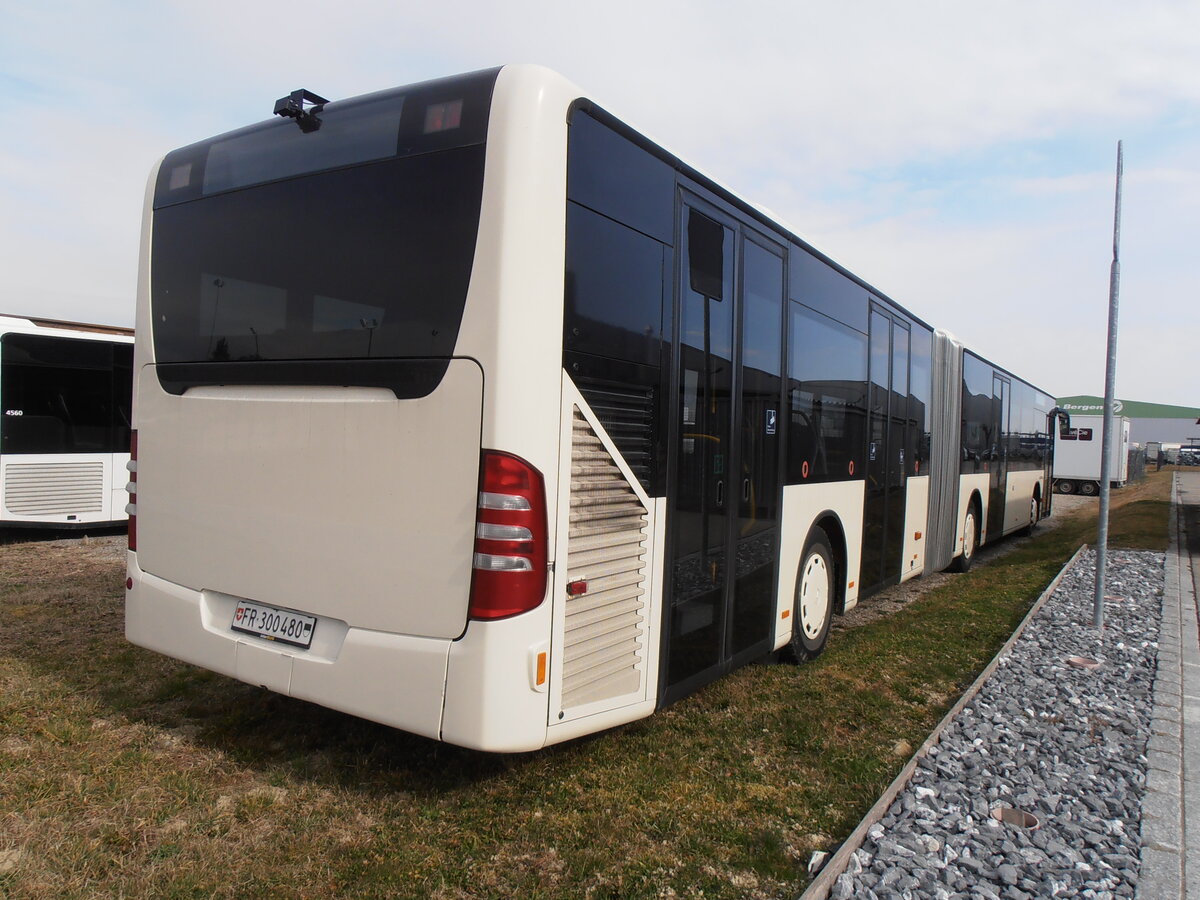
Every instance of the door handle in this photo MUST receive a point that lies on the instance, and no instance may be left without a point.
(721, 492)
(746, 490)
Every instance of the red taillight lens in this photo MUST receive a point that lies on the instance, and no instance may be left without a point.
(131, 507)
(511, 538)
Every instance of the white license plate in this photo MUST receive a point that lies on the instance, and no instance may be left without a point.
(274, 624)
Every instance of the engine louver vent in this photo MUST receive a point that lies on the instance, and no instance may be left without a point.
(627, 414)
(604, 649)
(49, 489)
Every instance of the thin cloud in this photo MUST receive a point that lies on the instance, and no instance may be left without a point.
(959, 156)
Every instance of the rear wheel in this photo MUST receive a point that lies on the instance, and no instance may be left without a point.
(813, 610)
(1035, 515)
(1089, 488)
(1065, 487)
(962, 562)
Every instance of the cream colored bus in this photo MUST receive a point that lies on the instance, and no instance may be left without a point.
(466, 408)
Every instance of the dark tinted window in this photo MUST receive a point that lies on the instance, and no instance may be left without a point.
(367, 262)
(819, 286)
(281, 150)
(614, 289)
(706, 259)
(61, 395)
(762, 320)
(827, 372)
(620, 228)
(1030, 441)
(612, 175)
(921, 389)
(979, 435)
(435, 115)
(902, 432)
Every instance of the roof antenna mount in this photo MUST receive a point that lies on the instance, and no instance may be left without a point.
(292, 107)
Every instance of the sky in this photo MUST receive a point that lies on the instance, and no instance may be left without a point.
(959, 156)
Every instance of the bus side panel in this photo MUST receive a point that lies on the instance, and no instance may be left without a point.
(916, 520)
(493, 700)
(967, 486)
(118, 496)
(1018, 496)
(802, 505)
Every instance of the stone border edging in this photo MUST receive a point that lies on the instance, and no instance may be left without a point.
(821, 885)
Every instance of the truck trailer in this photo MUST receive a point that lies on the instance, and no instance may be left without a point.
(1077, 454)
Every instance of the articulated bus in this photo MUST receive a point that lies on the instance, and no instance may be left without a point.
(466, 408)
(65, 415)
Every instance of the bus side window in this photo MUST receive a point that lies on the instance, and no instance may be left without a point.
(706, 256)
(827, 372)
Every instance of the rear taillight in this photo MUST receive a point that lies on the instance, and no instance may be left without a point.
(131, 506)
(509, 575)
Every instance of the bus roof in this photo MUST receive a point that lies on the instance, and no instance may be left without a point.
(6, 320)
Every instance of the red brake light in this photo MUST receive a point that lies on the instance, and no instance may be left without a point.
(511, 538)
(131, 507)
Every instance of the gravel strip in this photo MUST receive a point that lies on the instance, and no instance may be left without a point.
(1065, 744)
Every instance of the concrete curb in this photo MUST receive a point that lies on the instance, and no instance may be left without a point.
(823, 883)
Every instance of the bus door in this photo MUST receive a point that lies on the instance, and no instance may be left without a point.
(725, 488)
(998, 457)
(887, 448)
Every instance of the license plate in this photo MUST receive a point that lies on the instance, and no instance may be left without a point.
(274, 624)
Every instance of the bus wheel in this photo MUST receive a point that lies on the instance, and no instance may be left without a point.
(1035, 515)
(1065, 487)
(962, 562)
(813, 611)
(1089, 488)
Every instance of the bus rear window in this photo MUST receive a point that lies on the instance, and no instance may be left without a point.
(369, 262)
(284, 150)
(422, 118)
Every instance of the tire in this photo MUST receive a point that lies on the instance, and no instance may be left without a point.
(812, 612)
(1065, 487)
(962, 562)
(1035, 515)
(1089, 488)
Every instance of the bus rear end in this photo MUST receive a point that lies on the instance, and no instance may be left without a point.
(308, 438)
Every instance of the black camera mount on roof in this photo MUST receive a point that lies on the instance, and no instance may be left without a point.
(292, 107)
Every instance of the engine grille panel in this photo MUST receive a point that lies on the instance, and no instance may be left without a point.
(54, 489)
(605, 647)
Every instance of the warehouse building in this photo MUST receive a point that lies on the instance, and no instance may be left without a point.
(1148, 421)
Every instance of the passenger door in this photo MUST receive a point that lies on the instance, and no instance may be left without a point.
(998, 457)
(887, 443)
(724, 488)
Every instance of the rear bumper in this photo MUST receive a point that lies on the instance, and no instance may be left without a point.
(393, 679)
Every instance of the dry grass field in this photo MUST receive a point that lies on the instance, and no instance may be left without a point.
(126, 774)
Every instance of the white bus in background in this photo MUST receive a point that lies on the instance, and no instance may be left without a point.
(1078, 451)
(65, 409)
(466, 408)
